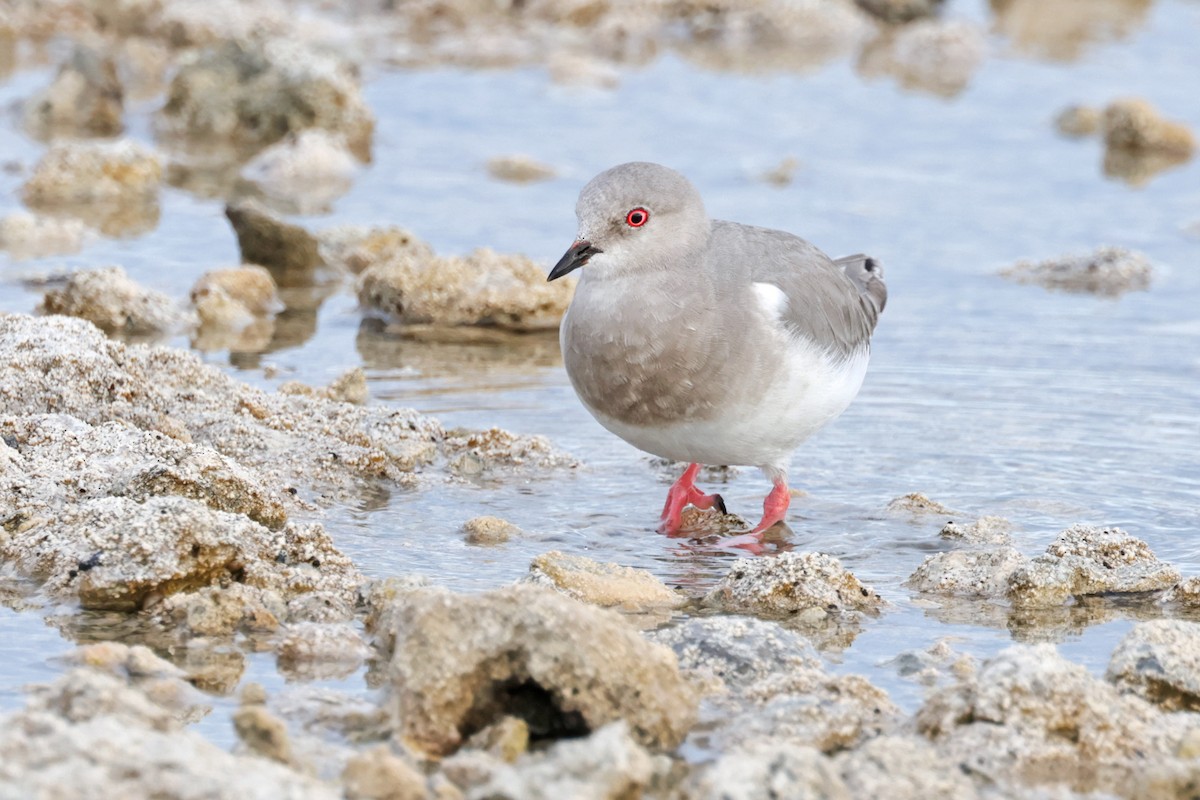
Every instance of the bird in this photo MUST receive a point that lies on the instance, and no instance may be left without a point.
(705, 341)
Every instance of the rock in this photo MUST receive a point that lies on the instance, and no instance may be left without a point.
(85, 99)
(67, 462)
(902, 767)
(763, 681)
(216, 611)
(564, 667)
(256, 91)
(350, 387)
(507, 739)
(263, 733)
(265, 239)
(606, 585)
(161, 682)
(314, 651)
(783, 173)
(933, 664)
(249, 289)
(917, 503)
(607, 765)
(573, 69)
(1030, 717)
(1065, 31)
(1160, 661)
(983, 531)
(354, 248)
(85, 172)
(518, 169)
(1185, 593)
(26, 235)
(484, 288)
(1086, 561)
(766, 770)
(968, 573)
(1109, 271)
(476, 454)
(377, 774)
(932, 56)
(489, 530)
(309, 170)
(792, 583)
(91, 735)
(900, 11)
(1133, 124)
(1078, 121)
(113, 303)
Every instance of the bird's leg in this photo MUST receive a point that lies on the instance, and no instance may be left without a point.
(775, 506)
(684, 493)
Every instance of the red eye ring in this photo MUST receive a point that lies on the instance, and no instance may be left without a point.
(637, 217)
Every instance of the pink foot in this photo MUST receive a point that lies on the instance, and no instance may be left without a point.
(684, 493)
(775, 506)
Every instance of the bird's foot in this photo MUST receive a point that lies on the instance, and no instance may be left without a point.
(683, 493)
(774, 507)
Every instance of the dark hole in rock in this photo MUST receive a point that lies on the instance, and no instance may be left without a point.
(530, 702)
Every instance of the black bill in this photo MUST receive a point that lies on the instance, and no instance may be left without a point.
(573, 259)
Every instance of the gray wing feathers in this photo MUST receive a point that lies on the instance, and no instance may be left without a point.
(825, 304)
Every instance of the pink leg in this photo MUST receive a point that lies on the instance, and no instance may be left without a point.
(684, 493)
(775, 506)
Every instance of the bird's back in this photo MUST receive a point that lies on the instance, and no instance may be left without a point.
(825, 301)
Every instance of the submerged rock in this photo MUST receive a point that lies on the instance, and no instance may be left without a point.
(82, 172)
(763, 681)
(983, 531)
(1030, 717)
(968, 573)
(112, 186)
(813, 584)
(114, 303)
(1134, 124)
(1109, 271)
(931, 56)
(85, 99)
(1160, 661)
(265, 239)
(26, 235)
(484, 288)
(256, 91)
(564, 667)
(917, 503)
(490, 530)
(606, 765)
(1086, 561)
(308, 170)
(606, 585)
(91, 734)
(518, 169)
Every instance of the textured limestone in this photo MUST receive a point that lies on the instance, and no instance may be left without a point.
(248, 288)
(490, 530)
(84, 172)
(1030, 717)
(601, 584)
(902, 767)
(518, 169)
(354, 248)
(968, 573)
(217, 611)
(917, 503)
(1086, 561)
(256, 91)
(312, 651)
(1108, 272)
(1134, 124)
(461, 662)
(25, 235)
(792, 583)
(1160, 661)
(349, 387)
(985, 531)
(85, 99)
(765, 770)
(114, 303)
(484, 288)
(377, 774)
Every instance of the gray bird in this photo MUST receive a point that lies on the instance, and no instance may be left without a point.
(706, 341)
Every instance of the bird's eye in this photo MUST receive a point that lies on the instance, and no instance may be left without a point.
(637, 217)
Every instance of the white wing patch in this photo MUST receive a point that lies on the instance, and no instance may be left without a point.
(772, 299)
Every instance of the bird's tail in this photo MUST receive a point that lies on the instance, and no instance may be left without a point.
(867, 274)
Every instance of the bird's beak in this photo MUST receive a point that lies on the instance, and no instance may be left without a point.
(575, 257)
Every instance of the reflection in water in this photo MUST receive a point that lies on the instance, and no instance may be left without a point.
(1062, 30)
(935, 57)
(476, 354)
(1137, 167)
(123, 219)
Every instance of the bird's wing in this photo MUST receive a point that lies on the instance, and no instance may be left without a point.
(819, 301)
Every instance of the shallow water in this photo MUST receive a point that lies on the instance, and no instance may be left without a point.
(991, 397)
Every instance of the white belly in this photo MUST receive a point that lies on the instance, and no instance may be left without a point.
(807, 391)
